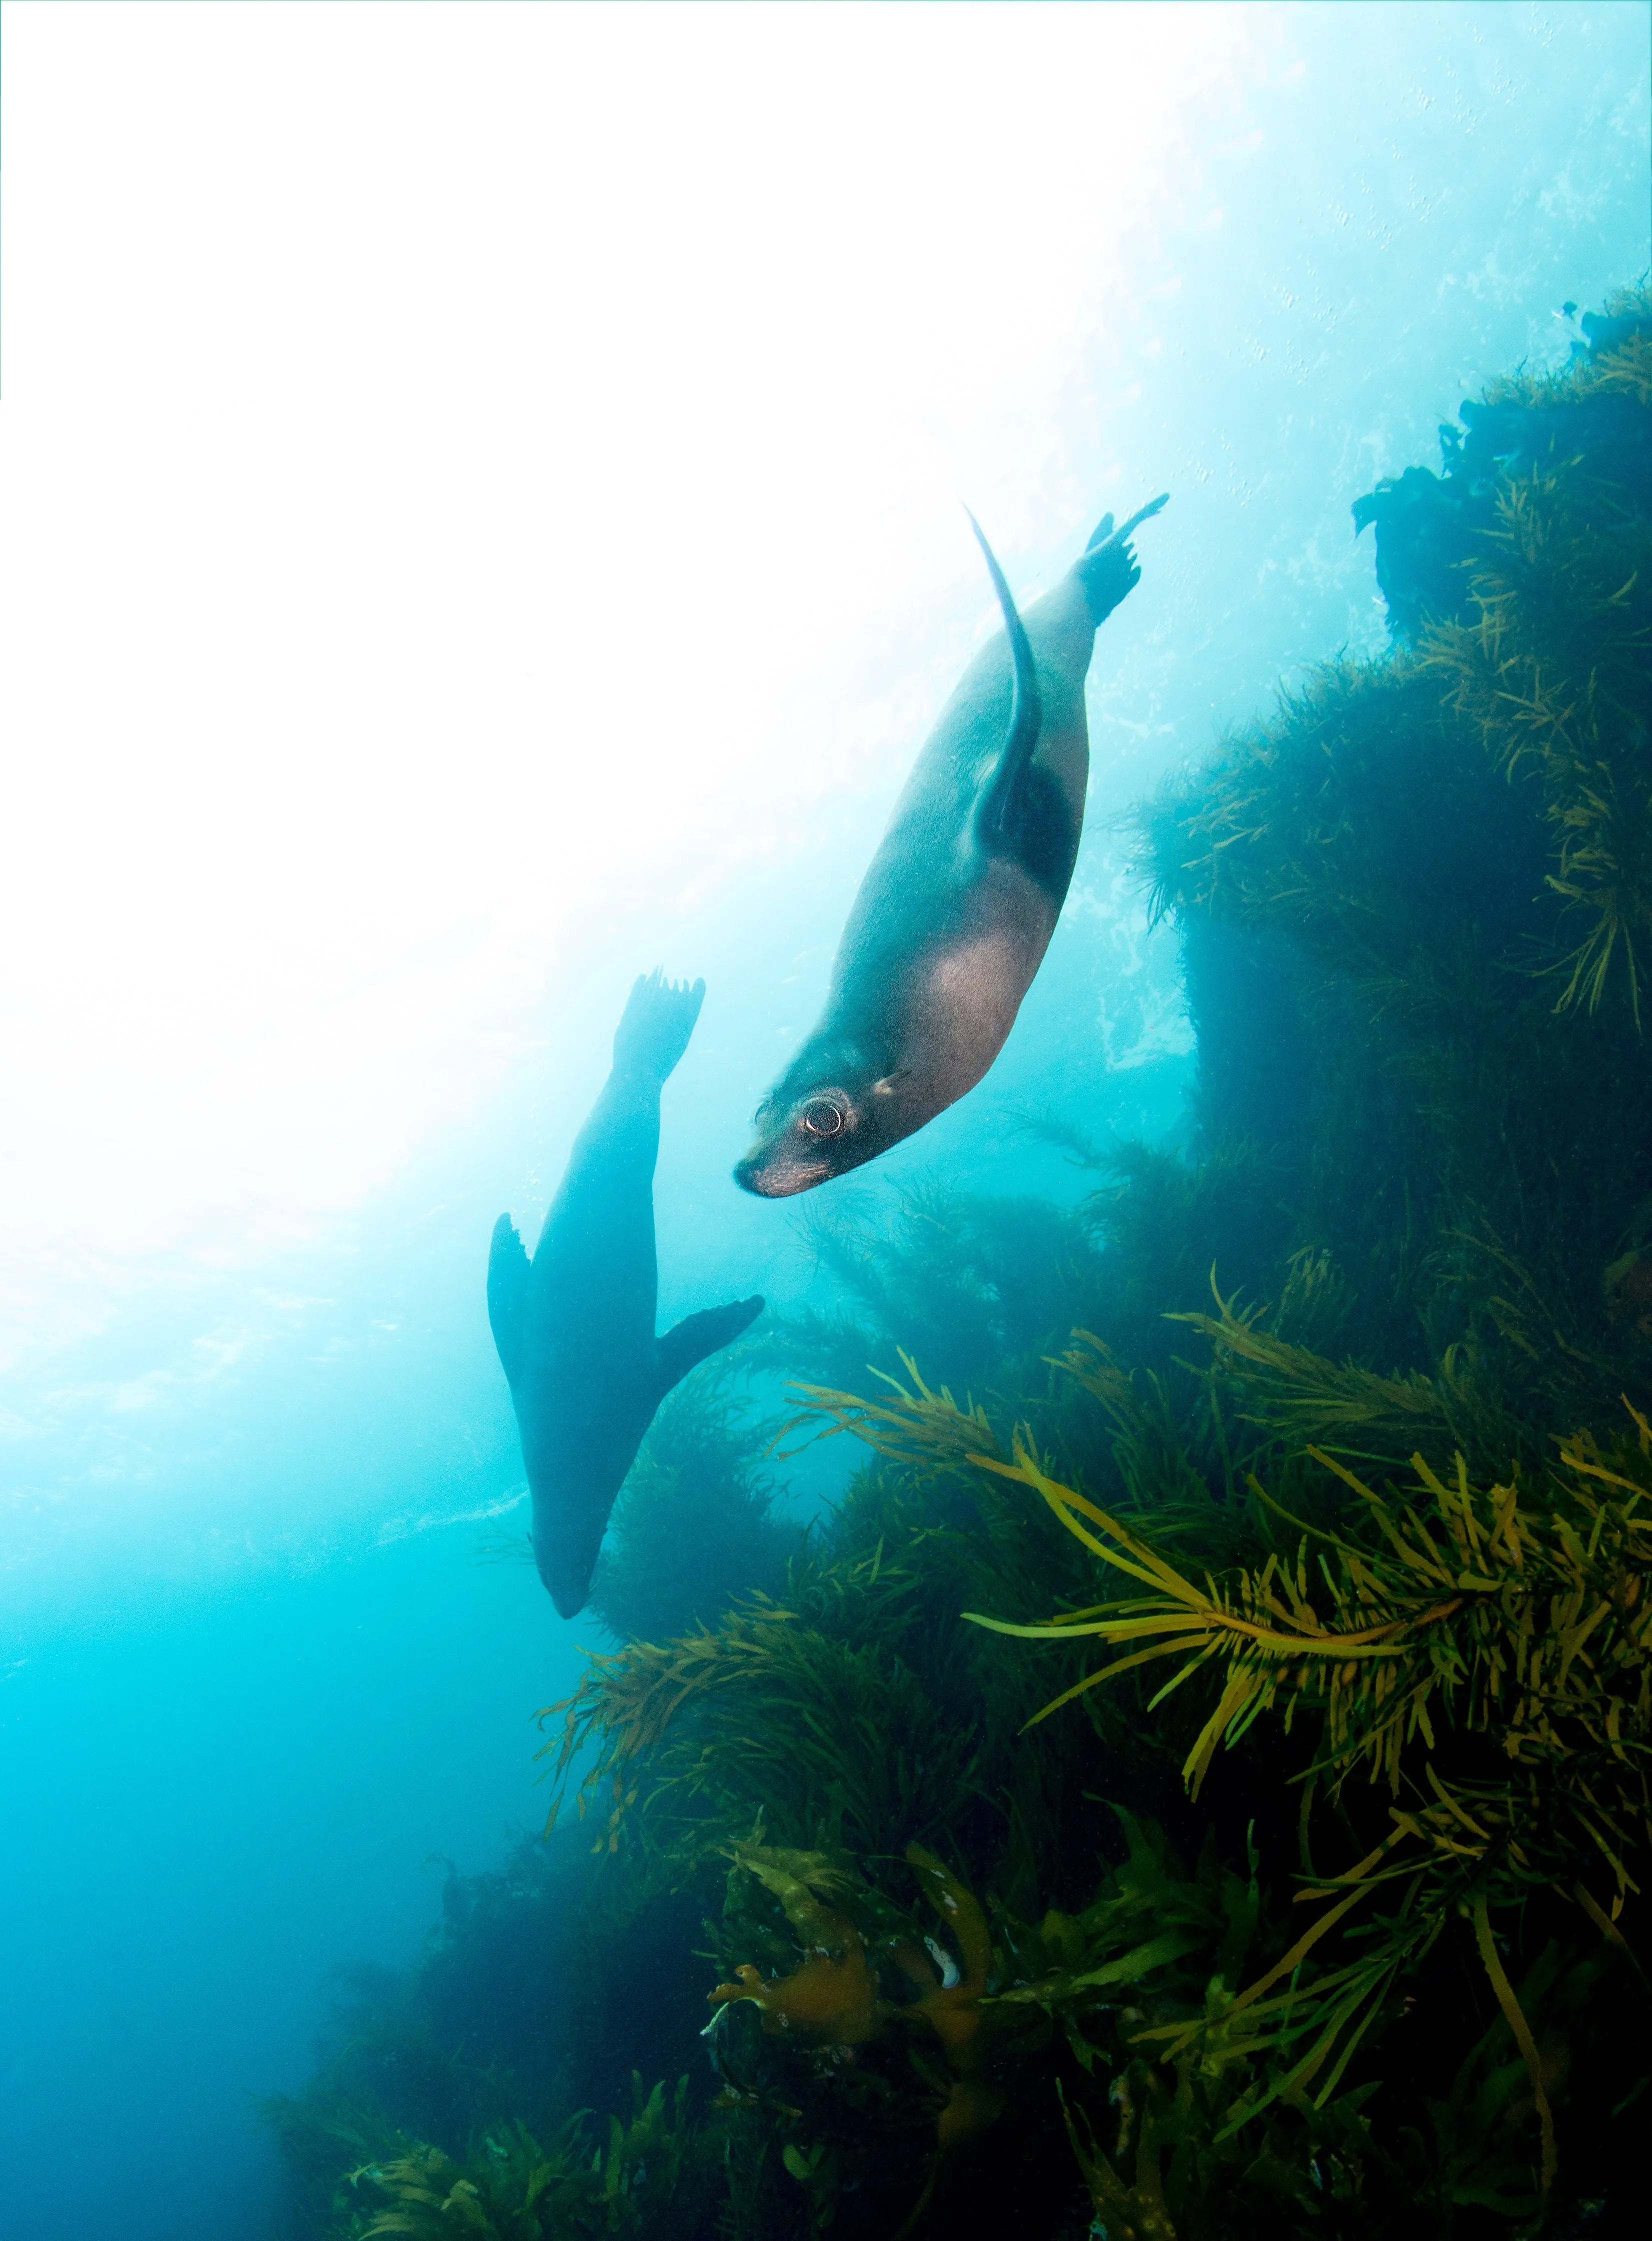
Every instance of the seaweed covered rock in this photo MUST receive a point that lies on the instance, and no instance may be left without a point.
(547, 1988)
(651, 2180)
(1396, 1984)
(1584, 418)
(1416, 912)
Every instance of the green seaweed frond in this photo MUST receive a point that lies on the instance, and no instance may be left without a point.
(1506, 1640)
(835, 1739)
(1292, 1391)
(910, 1424)
(650, 2177)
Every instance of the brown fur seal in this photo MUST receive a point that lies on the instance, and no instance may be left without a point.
(956, 912)
(575, 1326)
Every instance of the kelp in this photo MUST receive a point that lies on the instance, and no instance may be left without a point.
(972, 1284)
(1415, 1654)
(1552, 673)
(651, 2177)
(1415, 909)
(1482, 1657)
(1520, 1634)
(834, 1998)
(839, 1740)
(872, 2057)
(831, 1998)
(1614, 358)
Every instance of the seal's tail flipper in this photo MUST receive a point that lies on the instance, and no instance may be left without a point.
(1107, 570)
(507, 1294)
(656, 1024)
(687, 1346)
(1000, 797)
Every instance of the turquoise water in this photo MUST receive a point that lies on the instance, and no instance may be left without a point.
(259, 1687)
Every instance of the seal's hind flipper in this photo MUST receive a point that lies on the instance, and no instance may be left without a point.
(688, 1344)
(1107, 568)
(656, 1024)
(507, 1295)
(1001, 802)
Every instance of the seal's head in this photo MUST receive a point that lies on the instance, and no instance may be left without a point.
(824, 1116)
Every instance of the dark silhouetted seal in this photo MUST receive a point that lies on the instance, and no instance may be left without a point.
(575, 1326)
(957, 909)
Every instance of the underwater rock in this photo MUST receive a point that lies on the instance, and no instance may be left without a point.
(1427, 525)
(957, 910)
(1605, 331)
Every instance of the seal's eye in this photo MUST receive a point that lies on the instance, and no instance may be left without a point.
(822, 1118)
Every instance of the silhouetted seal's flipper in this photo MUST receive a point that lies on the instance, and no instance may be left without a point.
(575, 1325)
(656, 1024)
(691, 1341)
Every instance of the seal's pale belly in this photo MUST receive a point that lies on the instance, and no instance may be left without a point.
(965, 1002)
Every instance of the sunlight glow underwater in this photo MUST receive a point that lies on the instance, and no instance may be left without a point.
(489, 510)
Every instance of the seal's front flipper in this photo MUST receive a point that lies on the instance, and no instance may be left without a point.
(656, 1024)
(697, 1336)
(1000, 813)
(1107, 569)
(507, 1295)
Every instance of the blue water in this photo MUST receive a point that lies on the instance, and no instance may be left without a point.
(259, 1686)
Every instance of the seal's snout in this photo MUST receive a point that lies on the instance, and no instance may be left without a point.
(760, 1175)
(767, 1174)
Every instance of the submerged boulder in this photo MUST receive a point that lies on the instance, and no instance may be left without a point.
(1590, 413)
